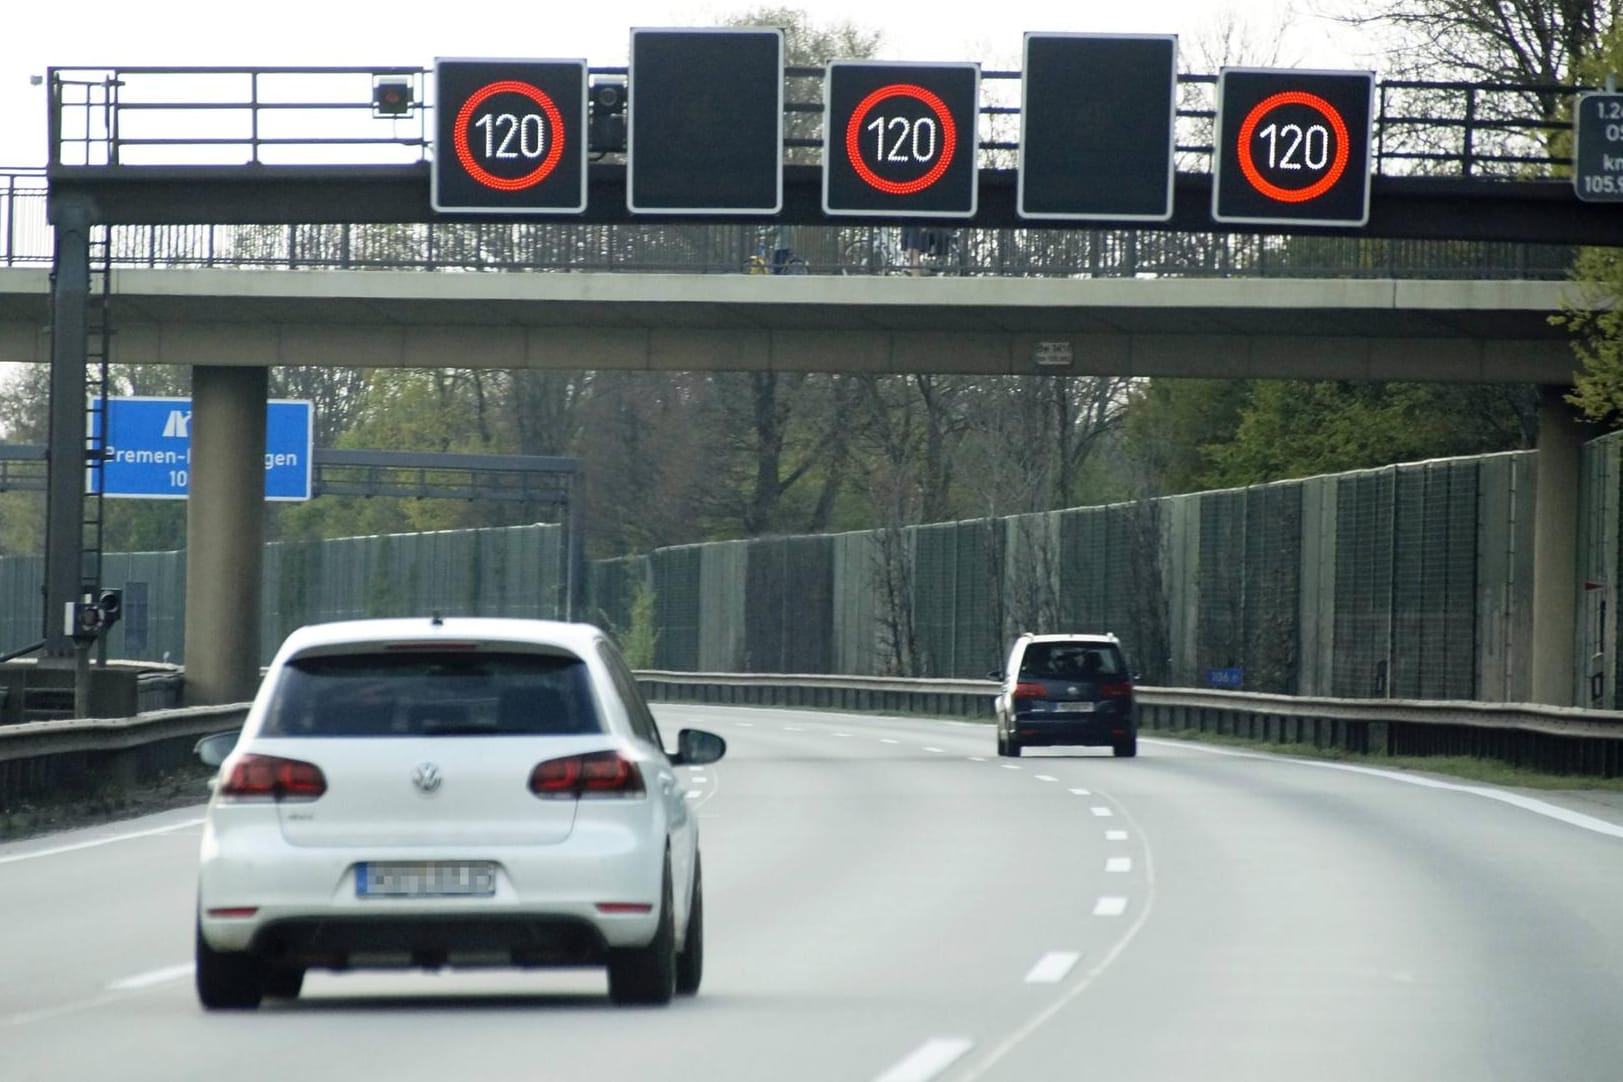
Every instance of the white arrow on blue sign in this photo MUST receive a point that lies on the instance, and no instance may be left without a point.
(149, 449)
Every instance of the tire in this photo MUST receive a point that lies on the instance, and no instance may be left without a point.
(1127, 749)
(647, 975)
(1014, 747)
(690, 959)
(284, 983)
(1002, 744)
(227, 980)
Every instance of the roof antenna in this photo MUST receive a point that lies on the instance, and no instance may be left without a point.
(437, 620)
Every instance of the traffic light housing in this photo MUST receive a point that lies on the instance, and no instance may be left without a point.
(606, 129)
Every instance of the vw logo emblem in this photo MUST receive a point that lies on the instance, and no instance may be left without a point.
(1072, 690)
(427, 778)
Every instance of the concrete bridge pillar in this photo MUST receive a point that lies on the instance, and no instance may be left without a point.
(225, 533)
(1561, 436)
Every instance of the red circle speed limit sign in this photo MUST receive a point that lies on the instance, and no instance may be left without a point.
(924, 141)
(899, 139)
(533, 136)
(509, 136)
(1292, 147)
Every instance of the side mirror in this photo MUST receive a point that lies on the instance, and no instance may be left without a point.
(696, 747)
(213, 749)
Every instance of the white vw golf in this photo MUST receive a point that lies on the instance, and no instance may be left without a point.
(449, 792)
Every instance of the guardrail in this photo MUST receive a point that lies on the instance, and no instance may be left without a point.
(50, 756)
(1555, 740)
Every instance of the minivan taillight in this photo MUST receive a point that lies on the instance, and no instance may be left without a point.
(1121, 689)
(274, 777)
(597, 774)
(1030, 691)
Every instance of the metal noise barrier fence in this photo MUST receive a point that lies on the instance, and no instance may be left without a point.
(56, 757)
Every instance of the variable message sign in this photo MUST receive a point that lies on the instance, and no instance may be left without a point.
(899, 140)
(705, 122)
(509, 136)
(1096, 126)
(1292, 147)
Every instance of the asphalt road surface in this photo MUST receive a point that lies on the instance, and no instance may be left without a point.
(887, 901)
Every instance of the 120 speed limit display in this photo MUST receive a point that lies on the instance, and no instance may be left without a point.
(899, 139)
(509, 136)
(1292, 147)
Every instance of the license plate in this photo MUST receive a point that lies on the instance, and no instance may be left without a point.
(1074, 708)
(426, 879)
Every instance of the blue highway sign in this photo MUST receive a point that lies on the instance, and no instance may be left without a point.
(149, 449)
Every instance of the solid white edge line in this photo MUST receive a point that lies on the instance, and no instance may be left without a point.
(1052, 967)
(927, 1060)
(1515, 800)
(148, 979)
(95, 842)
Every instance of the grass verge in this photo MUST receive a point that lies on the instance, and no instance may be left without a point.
(107, 803)
(1464, 767)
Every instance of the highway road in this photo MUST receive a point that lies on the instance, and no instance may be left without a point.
(887, 901)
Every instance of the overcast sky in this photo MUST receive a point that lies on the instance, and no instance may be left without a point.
(191, 33)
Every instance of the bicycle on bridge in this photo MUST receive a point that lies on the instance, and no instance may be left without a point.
(913, 250)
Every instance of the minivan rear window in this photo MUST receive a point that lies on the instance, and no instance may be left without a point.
(1070, 660)
(426, 693)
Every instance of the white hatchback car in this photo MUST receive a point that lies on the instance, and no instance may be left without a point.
(449, 792)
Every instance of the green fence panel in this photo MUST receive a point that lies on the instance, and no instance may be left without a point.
(675, 573)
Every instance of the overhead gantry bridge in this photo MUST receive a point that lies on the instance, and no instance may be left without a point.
(320, 245)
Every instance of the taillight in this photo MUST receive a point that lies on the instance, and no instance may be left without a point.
(1122, 689)
(1030, 691)
(598, 774)
(274, 777)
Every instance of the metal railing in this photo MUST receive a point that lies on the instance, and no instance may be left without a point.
(306, 115)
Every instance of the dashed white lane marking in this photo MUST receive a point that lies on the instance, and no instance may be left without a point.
(1109, 907)
(94, 842)
(1515, 800)
(937, 750)
(1115, 835)
(1118, 864)
(1101, 811)
(928, 1060)
(1045, 777)
(793, 729)
(1052, 967)
(156, 976)
(693, 794)
(888, 740)
(1009, 766)
(1081, 792)
(746, 725)
(699, 779)
(842, 734)
(977, 758)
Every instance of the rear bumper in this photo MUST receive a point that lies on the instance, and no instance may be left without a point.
(463, 939)
(1094, 730)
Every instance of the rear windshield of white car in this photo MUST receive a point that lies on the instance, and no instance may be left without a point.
(466, 693)
(1070, 660)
